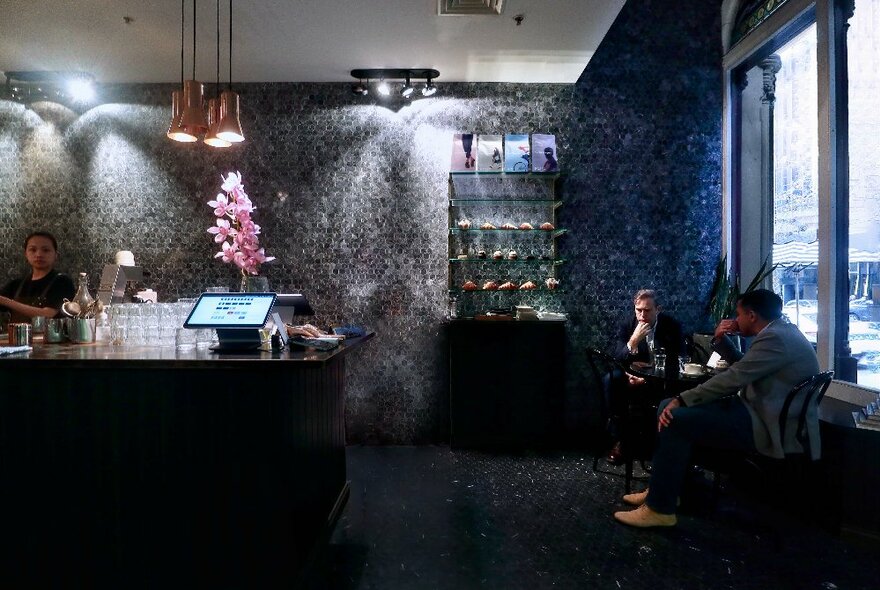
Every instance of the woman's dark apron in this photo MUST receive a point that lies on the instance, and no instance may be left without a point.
(38, 301)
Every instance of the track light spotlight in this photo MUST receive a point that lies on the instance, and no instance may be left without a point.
(407, 89)
(429, 88)
(392, 74)
(360, 88)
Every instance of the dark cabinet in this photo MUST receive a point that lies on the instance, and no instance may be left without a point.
(507, 382)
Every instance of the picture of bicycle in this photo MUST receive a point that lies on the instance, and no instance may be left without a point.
(526, 157)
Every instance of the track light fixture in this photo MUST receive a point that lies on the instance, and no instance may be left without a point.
(386, 74)
(76, 89)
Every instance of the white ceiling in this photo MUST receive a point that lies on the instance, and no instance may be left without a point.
(304, 40)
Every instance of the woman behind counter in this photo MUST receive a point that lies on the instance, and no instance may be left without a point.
(42, 292)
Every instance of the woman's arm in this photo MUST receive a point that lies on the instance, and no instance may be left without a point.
(28, 310)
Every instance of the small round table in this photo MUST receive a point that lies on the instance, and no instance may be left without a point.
(671, 383)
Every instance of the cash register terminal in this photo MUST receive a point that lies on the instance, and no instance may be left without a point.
(237, 318)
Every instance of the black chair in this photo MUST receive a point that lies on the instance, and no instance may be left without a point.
(637, 429)
(804, 399)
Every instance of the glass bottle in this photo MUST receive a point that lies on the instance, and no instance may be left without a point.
(83, 298)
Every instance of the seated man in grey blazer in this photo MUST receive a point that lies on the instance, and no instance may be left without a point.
(737, 409)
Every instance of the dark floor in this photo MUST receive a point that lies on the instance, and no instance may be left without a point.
(434, 518)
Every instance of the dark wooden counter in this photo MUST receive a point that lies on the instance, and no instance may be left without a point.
(152, 467)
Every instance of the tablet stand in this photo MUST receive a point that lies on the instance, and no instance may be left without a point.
(237, 340)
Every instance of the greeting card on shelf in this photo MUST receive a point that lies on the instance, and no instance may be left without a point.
(516, 153)
(544, 158)
(490, 153)
(464, 151)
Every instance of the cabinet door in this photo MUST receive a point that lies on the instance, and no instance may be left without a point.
(506, 383)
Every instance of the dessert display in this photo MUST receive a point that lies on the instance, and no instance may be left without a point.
(469, 286)
(481, 254)
(464, 224)
(547, 226)
(490, 286)
(551, 283)
(512, 255)
(497, 255)
(508, 286)
(508, 226)
(526, 226)
(487, 225)
(528, 286)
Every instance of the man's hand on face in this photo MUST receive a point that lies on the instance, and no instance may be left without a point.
(726, 327)
(638, 334)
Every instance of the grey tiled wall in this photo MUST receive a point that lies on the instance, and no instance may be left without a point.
(351, 194)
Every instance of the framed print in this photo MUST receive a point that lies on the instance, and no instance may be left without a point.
(490, 153)
(516, 153)
(464, 149)
(544, 158)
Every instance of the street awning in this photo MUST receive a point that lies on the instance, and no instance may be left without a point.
(807, 253)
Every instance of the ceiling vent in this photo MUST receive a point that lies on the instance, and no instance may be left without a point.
(469, 7)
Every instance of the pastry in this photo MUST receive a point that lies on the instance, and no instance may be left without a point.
(512, 255)
(508, 286)
(490, 286)
(481, 254)
(464, 224)
(526, 226)
(497, 255)
(487, 225)
(547, 226)
(528, 285)
(508, 226)
(551, 283)
(469, 286)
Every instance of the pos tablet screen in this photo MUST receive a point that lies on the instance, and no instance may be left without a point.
(233, 311)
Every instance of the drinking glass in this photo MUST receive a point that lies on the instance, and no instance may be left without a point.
(660, 361)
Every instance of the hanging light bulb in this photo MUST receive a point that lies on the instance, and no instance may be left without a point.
(229, 128)
(214, 104)
(383, 88)
(213, 125)
(175, 129)
(193, 119)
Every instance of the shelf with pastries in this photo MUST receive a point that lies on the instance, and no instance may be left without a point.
(458, 290)
(527, 286)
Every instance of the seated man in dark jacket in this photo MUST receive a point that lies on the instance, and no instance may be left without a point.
(636, 339)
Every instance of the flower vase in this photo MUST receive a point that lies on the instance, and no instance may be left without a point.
(254, 284)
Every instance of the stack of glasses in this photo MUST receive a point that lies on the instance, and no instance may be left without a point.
(155, 324)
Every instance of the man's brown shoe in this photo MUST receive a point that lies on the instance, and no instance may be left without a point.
(644, 517)
(636, 499)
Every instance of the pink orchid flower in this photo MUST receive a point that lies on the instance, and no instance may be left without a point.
(222, 230)
(222, 206)
(228, 253)
(231, 182)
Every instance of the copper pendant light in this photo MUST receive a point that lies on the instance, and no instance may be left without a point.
(213, 123)
(193, 119)
(214, 104)
(175, 129)
(230, 124)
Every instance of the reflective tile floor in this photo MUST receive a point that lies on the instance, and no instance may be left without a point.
(433, 518)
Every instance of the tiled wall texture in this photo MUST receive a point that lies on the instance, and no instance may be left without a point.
(351, 193)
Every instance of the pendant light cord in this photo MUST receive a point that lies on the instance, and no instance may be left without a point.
(217, 87)
(182, 2)
(195, 2)
(230, 45)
